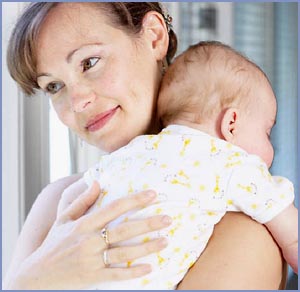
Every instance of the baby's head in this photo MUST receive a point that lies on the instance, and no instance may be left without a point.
(213, 88)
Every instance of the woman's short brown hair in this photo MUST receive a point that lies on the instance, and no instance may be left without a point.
(21, 53)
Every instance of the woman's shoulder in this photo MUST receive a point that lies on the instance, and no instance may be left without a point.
(55, 189)
(242, 254)
(255, 258)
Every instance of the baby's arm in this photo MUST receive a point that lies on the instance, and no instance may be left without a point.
(284, 228)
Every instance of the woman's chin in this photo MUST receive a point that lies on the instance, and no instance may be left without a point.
(110, 146)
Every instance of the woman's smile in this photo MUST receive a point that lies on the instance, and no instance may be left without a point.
(100, 120)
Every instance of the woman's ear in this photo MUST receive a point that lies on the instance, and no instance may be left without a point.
(229, 124)
(155, 31)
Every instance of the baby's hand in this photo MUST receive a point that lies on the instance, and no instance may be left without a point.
(290, 253)
(284, 228)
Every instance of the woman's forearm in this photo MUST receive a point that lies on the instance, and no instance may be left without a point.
(23, 269)
(27, 276)
(240, 255)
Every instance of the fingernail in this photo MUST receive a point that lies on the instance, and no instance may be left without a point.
(166, 220)
(147, 268)
(150, 195)
(163, 242)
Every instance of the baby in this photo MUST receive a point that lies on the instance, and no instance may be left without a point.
(213, 156)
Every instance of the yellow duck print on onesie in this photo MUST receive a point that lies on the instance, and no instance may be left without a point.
(213, 148)
(180, 178)
(252, 188)
(217, 192)
(233, 160)
(153, 142)
(186, 142)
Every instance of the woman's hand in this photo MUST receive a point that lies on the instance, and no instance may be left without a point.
(71, 256)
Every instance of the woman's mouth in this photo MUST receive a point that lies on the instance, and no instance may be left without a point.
(100, 120)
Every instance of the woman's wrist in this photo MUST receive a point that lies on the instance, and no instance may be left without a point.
(20, 280)
(27, 276)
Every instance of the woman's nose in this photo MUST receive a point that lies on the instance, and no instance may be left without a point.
(81, 98)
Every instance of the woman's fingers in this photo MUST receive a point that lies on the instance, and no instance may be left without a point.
(118, 274)
(132, 229)
(125, 254)
(70, 194)
(103, 216)
(81, 204)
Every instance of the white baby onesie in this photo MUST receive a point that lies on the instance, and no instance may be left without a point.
(198, 179)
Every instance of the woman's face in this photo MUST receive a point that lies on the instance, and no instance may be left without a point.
(102, 82)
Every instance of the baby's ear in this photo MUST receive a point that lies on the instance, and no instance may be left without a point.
(229, 124)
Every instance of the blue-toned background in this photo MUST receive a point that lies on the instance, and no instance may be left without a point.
(267, 33)
(38, 149)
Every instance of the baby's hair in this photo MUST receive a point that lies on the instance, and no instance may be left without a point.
(21, 53)
(206, 79)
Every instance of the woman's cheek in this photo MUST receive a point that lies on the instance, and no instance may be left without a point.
(63, 112)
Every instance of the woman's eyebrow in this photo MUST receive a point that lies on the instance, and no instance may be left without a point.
(43, 75)
(71, 54)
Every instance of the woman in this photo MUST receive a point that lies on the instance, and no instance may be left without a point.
(102, 63)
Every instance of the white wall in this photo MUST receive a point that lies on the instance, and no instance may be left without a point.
(11, 146)
(25, 146)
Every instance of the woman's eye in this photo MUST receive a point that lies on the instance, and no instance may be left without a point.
(53, 87)
(89, 63)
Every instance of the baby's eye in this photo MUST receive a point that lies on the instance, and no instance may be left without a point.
(89, 63)
(54, 87)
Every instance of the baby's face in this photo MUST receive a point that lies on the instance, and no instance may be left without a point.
(256, 126)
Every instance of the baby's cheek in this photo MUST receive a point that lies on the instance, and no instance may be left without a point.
(269, 155)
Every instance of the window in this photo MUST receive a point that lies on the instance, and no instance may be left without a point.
(60, 164)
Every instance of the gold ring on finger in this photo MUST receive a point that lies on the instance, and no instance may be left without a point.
(105, 258)
(104, 234)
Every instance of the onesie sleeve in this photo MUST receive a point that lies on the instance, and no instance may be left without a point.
(252, 190)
